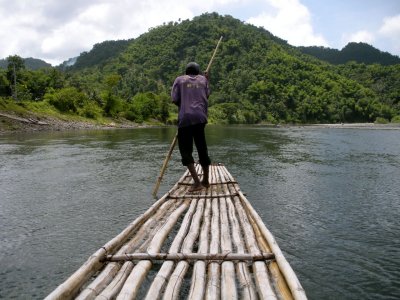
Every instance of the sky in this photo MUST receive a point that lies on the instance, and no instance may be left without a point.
(56, 30)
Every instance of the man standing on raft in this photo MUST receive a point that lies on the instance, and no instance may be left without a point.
(190, 93)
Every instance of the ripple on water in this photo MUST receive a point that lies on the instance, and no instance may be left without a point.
(330, 197)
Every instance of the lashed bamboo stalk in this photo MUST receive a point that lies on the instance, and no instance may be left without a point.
(138, 242)
(212, 177)
(101, 281)
(291, 278)
(71, 286)
(276, 275)
(287, 271)
(143, 236)
(264, 287)
(147, 238)
(199, 269)
(213, 281)
(127, 232)
(132, 283)
(242, 269)
(175, 282)
(167, 267)
(198, 281)
(111, 291)
(228, 284)
(110, 271)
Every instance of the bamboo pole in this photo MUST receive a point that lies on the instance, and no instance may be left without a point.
(167, 267)
(276, 275)
(101, 281)
(242, 269)
(147, 239)
(291, 278)
(264, 287)
(112, 290)
(164, 166)
(213, 282)
(133, 282)
(127, 232)
(70, 287)
(175, 282)
(154, 222)
(228, 284)
(199, 269)
(287, 271)
(213, 55)
(112, 269)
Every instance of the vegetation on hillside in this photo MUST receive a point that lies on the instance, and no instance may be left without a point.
(256, 77)
(100, 53)
(357, 52)
(30, 63)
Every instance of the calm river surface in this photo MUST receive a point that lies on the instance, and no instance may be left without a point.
(331, 197)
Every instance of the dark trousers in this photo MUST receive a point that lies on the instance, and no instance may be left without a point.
(186, 136)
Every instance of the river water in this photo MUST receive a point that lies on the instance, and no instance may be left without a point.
(330, 196)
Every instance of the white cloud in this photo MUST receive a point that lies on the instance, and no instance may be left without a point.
(385, 38)
(56, 30)
(390, 31)
(359, 36)
(290, 20)
(391, 27)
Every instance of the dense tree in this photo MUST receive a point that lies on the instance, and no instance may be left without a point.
(358, 52)
(256, 77)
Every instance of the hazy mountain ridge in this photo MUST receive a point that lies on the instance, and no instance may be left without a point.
(358, 52)
(30, 63)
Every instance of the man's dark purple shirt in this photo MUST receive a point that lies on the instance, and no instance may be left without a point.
(190, 93)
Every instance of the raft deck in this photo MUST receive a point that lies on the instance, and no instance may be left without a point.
(206, 245)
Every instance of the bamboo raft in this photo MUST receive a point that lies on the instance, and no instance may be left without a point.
(209, 245)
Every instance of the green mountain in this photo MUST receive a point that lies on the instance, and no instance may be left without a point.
(358, 52)
(256, 77)
(99, 54)
(30, 63)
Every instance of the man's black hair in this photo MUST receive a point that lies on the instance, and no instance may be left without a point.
(192, 68)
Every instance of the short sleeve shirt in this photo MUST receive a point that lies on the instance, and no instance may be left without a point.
(190, 93)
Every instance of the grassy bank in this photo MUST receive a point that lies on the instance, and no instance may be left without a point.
(38, 116)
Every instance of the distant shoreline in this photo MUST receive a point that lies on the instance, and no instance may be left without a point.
(355, 126)
(10, 123)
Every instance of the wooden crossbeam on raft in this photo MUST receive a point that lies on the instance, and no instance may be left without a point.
(212, 183)
(195, 196)
(192, 256)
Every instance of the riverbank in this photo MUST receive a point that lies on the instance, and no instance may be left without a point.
(12, 123)
(355, 125)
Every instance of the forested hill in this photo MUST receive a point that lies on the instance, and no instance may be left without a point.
(100, 53)
(30, 63)
(256, 77)
(358, 52)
